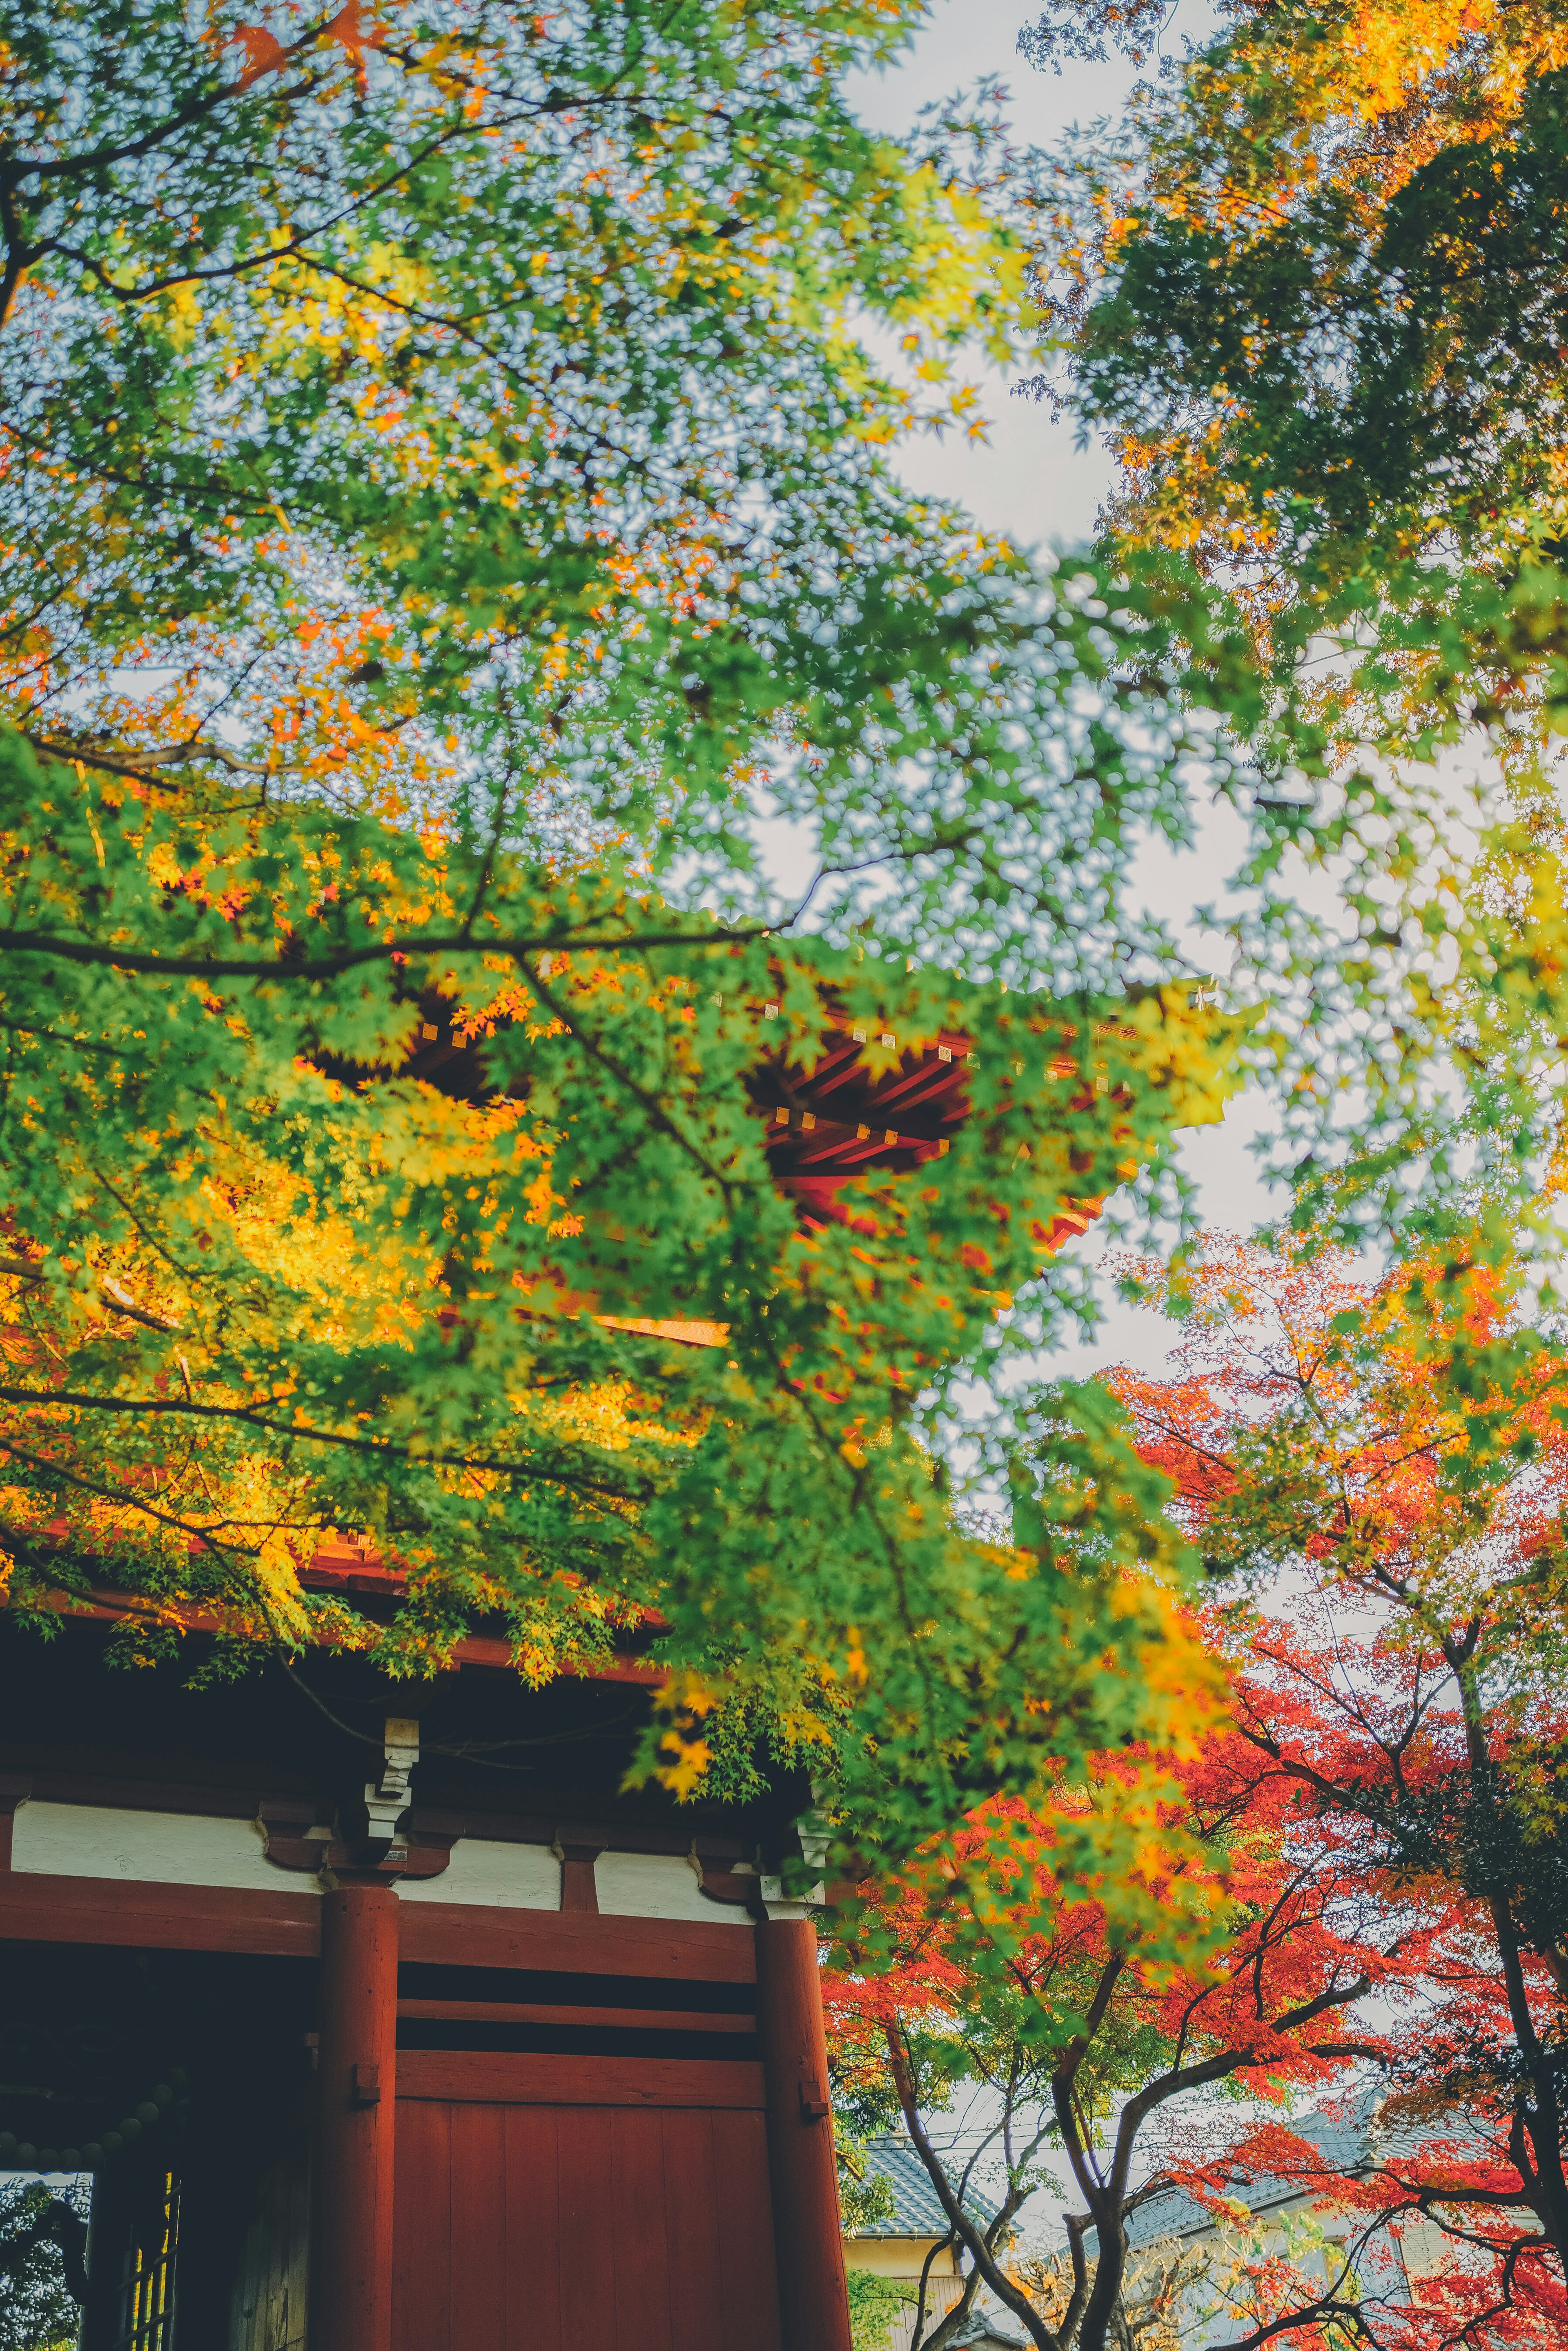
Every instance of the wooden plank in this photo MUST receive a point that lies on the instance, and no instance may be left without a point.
(691, 2228)
(292, 2309)
(501, 2012)
(534, 2250)
(479, 2249)
(38, 1909)
(267, 2306)
(421, 2228)
(578, 1942)
(749, 2283)
(527, 2079)
(640, 2182)
(590, 2227)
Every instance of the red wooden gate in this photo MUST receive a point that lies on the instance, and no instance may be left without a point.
(532, 2227)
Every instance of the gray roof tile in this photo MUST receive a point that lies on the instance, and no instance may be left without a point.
(917, 2212)
(1343, 2138)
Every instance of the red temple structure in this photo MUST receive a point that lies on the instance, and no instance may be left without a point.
(378, 2036)
(382, 2017)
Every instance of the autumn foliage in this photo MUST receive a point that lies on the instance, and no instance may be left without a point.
(1367, 1856)
(1379, 1474)
(445, 521)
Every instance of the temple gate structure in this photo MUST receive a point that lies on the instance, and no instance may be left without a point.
(383, 2018)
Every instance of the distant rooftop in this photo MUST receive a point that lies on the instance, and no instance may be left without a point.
(1349, 2138)
(1340, 2139)
(980, 2330)
(916, 2210)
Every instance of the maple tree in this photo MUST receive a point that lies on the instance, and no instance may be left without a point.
(875, 2303)
(1306, 287)
(447, 523)
(1311, 287)
(1091, 2043)
(1377, 1476)
(1366, 1856)
(449, 530)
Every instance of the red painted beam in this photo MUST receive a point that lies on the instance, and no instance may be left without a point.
(502, 2079)
(504, 2011)
(34, 1909)
(568, 1941)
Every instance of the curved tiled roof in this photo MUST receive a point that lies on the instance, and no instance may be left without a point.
(915, 2210)
(1343, 2138)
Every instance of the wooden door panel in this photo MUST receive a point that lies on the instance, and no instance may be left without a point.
(692, 2218)
(585, 2244)
(747, 2284)
(501, 2079)
(535, 2228)
(531, 2259)
(478, 2210)
(638, 2188)
(421, 2228)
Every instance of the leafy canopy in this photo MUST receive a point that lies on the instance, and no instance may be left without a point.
(448, 533)
(1309, 286)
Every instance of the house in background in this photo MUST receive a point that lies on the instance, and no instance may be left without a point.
(1285, 2217)
(897, 2247)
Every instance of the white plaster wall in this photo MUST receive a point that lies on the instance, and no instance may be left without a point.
(195, 1849)
(899, 2257)
(494, 1875)
(161, 1848)
(658, 1886)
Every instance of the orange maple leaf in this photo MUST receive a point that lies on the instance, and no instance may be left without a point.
(350, 32)
(263, 51)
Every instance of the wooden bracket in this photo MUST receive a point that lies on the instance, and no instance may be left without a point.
(366, 2089)
(579, 1888)
(296, 1840)
(739, 1889)
(813, 2106)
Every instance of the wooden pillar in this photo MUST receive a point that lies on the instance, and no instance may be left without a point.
(351, 2247)
(108, 2230)
(813, 2301)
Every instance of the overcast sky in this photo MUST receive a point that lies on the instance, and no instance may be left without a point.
(1030, 478)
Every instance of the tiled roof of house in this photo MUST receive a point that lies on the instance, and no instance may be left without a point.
(1344, 2138)
(915, 2210)
(979, 2330)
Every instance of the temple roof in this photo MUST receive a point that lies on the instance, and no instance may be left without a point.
(852, 1111)
(841, 1118)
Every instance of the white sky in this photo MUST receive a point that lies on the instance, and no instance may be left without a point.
(1030, 479)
